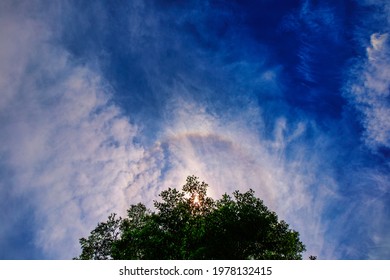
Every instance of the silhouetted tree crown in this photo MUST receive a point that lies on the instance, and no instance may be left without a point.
(189, 225)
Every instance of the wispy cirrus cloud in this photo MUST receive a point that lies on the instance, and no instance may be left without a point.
(369, 92)
(366, 88)
(67, 148)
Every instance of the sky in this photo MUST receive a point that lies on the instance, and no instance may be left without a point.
(105, 104)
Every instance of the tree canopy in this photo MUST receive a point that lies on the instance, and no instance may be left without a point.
(188, 224)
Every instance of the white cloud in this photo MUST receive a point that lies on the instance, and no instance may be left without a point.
(370, 83)
(378, 41)
(371, 90)
(71, 151)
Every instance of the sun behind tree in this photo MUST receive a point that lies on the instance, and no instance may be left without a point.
(189, 225)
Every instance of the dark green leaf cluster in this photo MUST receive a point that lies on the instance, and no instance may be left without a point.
(189, 225)
(98, 245)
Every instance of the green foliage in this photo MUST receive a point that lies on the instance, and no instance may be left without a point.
(98, 246)
(189, 225)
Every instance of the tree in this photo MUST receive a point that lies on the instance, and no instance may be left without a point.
(98, 246)
(188, 224)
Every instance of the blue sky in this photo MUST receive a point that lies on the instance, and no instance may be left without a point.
(106, 104)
